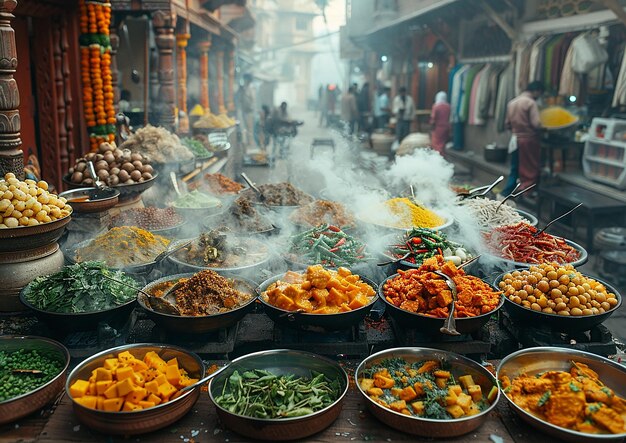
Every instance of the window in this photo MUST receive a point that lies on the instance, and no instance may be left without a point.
(302, 24)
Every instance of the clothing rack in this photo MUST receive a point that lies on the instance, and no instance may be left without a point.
(487, 59)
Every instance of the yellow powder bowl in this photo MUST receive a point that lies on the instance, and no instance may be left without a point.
(403, 214)
(556, 117)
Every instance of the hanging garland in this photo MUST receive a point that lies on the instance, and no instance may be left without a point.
(95, 63)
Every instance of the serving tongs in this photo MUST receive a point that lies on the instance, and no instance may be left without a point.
(481, 191)
(159, 304)
(254, 188)
(101, 190)
(449, 325)
(513, 194)
(536, 234)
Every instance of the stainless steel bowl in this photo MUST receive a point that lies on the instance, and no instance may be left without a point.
(504, 264)
(146, 420)
(109, 198)
(428, 427)
(279, 362)
(30, 237)
(25, 404)
(535, 360)
(198, 324)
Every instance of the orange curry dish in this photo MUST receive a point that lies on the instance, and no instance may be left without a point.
(421, 291)
(319, 291)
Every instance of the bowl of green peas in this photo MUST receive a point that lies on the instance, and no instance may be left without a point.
(33, 371)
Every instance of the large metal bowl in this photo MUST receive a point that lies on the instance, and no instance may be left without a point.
(74, 198)
(315, 322)
(432, 325)
(279, 362)
(504, 263)
(30, 237)
(78, 321)
(536, 360)
(145, 420)
(533, 221)
(200, 324)
(428, 427)
(25, 404)
(558, 322)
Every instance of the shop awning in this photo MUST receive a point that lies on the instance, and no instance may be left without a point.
(423, 12)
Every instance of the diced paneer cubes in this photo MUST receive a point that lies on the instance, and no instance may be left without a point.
(408, 394)
(152, 387)
(100, 403)
(102, 386)
(442, 374)
(419, 389)
(138, 379)
(172, 374)
(111, 392)
(136, 395)
(147, 404)
(466, 381)
(125, 372)
(441, 383)
(113, 404)
(103, 374)
(418, 407)
(88, 401)
(455, 411)
(166, 390)
(428, 367)
(493, 394)
(473, 409)
(405, 412)
(383, 382)
(451, 398)
(475, 392)
(397, 405)
(124, 387)
(138, 366)
(457, 389)
(128, 406)
(153, 398)
(125, 356)
(464, 401)
(79, 388)
(375, 391)
(396, 392)
(173, 362)
(111, 363)
(161, 379)
(91, 390)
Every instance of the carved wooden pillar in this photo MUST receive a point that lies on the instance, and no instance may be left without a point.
(164, 23)
(115, 74)
(57, 57)
(11, 156)
(220, 81)
(231, 80)
(181, 61)
(204, 74)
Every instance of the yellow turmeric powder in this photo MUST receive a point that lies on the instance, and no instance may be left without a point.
(407, 214)
(123, 246)
(557, 117)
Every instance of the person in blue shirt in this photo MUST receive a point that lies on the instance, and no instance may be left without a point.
(381, 107)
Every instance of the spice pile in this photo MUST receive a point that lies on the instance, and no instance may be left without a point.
(196, 200)
(123, 246)
(424, 389)
(555, 289)
(242, 217)
(219, 249)
(208, 293)
(150, 219)
(327, 245)
(323, 211)
(319, 291)
(279, 194)
(210, 121)
(490, 214)
(518, 243)
(423, 292)
(28, 203)
(403, 213)
(576, 399)
(262, 394)
(14, 384)
(218, 184)
(158, 144)
(80, 288)
(113, 166)
(423, 243)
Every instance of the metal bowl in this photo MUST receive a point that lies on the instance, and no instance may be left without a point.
(504, 263)
(198, 213)
(558, 322)
(146, 420)
(78, 321)
(223, 219)
(533, 221)
(428, 427)
(449, 221)
(70, 255)
(127, 192)
(315, 322)
(25, 404)
(91, 205)
(431, 325)
(200, 324)
(279, 362)
(535, 360)
(31, 237)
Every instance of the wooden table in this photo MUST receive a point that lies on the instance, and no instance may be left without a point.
(201, 425)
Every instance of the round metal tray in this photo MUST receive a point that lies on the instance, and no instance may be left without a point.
(30, 237)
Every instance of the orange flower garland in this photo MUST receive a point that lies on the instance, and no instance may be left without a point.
(95, 62)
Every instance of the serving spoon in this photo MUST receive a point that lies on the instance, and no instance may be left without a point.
(449, 325)
(475, 192)
(159, 304)
(536, 234)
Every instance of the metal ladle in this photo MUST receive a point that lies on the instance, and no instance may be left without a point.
(513, 194)
(449, 325)
(536, 234)
(475, 192)
(160, 303)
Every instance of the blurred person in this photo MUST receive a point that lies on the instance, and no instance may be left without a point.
(522, 118)
(363, 105)
(323, 106)
(404, 111)
(349, 111)
(247, 106)
(263, 127)
(124, 103)
(381, 107)
(440, 122)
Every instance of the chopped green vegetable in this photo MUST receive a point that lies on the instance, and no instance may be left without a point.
(573, 387)
(13, 384)
(544, 398)
(80, 288)
(196, 147)
(262, 394)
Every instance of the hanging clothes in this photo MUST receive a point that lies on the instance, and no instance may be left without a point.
(570, 81)
(536, 59)
(522, 68)
(494, 79)
(549, 62)
(467, 89)
(456, 94)
(481, 105)
(471, 115)
(619, 96)
(506, 92)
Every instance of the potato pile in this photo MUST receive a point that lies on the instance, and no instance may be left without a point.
(113, 166)
(556, 289)
(28, 203)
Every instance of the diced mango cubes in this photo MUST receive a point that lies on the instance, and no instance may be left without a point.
(126, 383)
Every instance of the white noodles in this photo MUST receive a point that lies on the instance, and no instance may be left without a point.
(484, 211)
